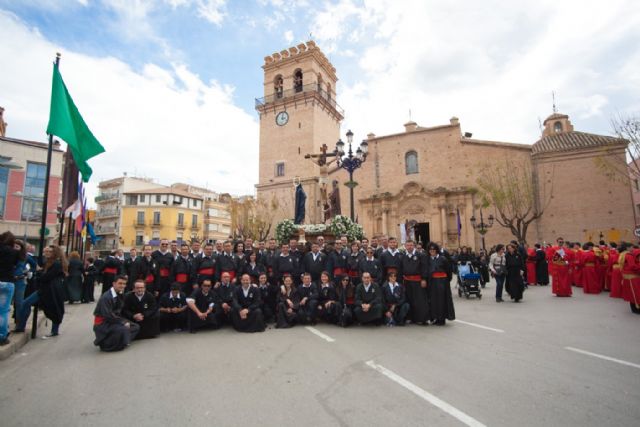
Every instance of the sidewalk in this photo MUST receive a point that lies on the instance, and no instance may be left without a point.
(17, 341)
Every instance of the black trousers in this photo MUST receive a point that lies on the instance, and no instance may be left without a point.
(284, 318)
(373, 315)
(399, 314)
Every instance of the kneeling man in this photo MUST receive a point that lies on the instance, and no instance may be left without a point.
(113, 332)
(140, 307)
(395, 302)
(368, 305)
(201, 304)
(246, 315)
(173, 306)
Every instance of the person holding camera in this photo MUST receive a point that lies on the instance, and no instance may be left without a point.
(498, 268)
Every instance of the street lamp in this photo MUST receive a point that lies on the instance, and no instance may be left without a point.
(482, 227)
(351, 162)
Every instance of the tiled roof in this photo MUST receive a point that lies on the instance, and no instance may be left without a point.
(568, 141)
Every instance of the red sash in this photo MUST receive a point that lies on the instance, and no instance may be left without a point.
(164, 272)
(338, 271)
(207, 271)
(439, 275)
(149, 278)
(110, 270)
(98, 320)
(351, 300)
(182, 277)
(392, 270)
(414, 277)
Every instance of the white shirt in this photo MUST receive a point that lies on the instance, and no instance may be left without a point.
(246, 291)
(366, 287)
(114, 294)
(392, 252)
(392, 286)
(315, 255)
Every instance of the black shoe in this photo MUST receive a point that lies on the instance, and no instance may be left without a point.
(5, 342)
(499, 300)
(18, 331)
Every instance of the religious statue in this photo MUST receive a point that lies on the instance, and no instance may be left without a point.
(301, 198)
(322, 161)
(334, 200)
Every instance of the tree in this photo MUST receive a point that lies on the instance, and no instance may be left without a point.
(252, 218)
(617, 167)
(509, 186)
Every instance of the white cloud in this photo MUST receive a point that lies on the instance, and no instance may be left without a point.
(288, 36)
(213, 11)
(492, 64)
(162, 123)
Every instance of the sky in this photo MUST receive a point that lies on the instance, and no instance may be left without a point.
(168, 86)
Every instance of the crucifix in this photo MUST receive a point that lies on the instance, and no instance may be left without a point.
(321, 159)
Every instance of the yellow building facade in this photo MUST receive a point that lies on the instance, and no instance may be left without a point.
(165, 213)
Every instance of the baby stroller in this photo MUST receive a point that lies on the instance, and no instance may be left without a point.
(468, 281)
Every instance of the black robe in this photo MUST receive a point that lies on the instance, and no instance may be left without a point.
(346, 300)
(515, 268)
(202, 302)
(172, 321)
(89, 283)
(182, 271)
(439, 289)
(328, 294)
(542, 269)
(372, 296)
(391, 263)
(163, 263)
(110, 269)
(254, 322)
(109, 325)
(372, 267)
(73, 281)
(314, 268)
(307, 311)
(413, 272)
(150, 325)
(52, 292)
(145, 269)
(204, 267)
(284, 318)
(395, 301)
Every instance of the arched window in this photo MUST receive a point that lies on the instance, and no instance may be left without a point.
(319, 83)
(329, 92)
(557, 127)
(278, 86)
(411, 162)
(297, 81)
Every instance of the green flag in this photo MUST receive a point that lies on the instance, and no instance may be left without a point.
(66, 123)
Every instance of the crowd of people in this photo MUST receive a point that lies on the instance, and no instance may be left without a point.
(248, 286)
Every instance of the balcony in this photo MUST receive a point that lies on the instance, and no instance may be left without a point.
(195, 227)
(180, 226)
(140, 223)
(106, 229)
(103, 197)
(156, 223)
(102, 245)
(106, 213)
(301, 92)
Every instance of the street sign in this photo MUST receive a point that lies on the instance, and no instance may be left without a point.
(636, 232)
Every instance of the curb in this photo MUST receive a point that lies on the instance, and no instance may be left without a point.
(19, 340)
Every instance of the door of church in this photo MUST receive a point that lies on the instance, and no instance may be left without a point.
(422, 233)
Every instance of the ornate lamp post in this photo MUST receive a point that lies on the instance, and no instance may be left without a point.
(482, 227)
(351, 162)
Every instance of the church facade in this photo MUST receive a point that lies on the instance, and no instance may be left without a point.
(428, 176)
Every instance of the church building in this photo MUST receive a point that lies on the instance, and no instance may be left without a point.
(428, 176)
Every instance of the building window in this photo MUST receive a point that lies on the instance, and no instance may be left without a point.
(179, 236)
(278, 84)
(194, 220)
(139, 239)
(636, 183)
(155, 235)
(158, 198)
(33, 191)
(132, 200)
(297, 81)
(557, 127)
(411, 162)
(143, 198)
(180, 219)
(329, 92)
(195, 203)
(156, 218)
(212, 227)
(140, 218)
(280, 169)
(4, 180)
(638, 208)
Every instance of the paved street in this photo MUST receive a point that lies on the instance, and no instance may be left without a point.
(508, 365)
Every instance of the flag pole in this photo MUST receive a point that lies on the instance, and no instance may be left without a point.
(43, 222)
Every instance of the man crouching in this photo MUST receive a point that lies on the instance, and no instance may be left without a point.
(113, 332)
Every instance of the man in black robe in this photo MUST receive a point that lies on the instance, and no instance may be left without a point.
(164, 260)
(314, 262)
(371, 265)
(395, 302)
(328, 306)
(182, 270)
(308, 293)
(542, 268)
(140, 307)
(113, 332)
(438, 273)
(337, 262)
(228, 262)
(285, 264)
(246, 314)
(133, 255)
(415, 284)
(110, 270)
(173, 306)
(224, 299)
(144, 268)
(368, 301)
(391, 259)
(202, 308)
(204, 265)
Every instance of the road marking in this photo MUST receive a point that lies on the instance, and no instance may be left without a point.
(479, 326)
(435, 401)
(601, 356)
(320, 334)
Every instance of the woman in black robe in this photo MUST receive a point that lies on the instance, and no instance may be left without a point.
(288, 304)
(89, 283)
(73, 281)
(438, 270)
(515, 268)
(346, 292)
(253, 268)
(542, 268)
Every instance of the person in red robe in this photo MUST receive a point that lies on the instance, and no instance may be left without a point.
(576, 273)
(531, 266)
(549, 251)
(631, 278)
(615, 290)
(601, 251)
(608, 264)
(561, 259)
(590, 263)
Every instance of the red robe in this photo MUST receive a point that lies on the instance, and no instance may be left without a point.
(591, 277)
(631, 277)
(561, 282)
(549, 251)
(531, 266)
(607, 268)
(615, 274)
(577, 275)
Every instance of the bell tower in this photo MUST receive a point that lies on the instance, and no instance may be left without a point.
(298, 114)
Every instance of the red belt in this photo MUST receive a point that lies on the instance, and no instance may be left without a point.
(207, 271)
(232, 273)
(439, 275)
(350, 300)
(338, 271)
(110, 270)
(149, 278)
(392, 270)
(182, 277)
(98, 320)
(413, 277)
(164, 272)
(353, 273)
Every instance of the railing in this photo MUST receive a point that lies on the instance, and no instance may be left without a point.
(180, 226)
(155, 223)
(104, 229)
(102, 245)
(107, 196)
(289, 93)
(139, 223)
(104, 213)
(195, 227)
